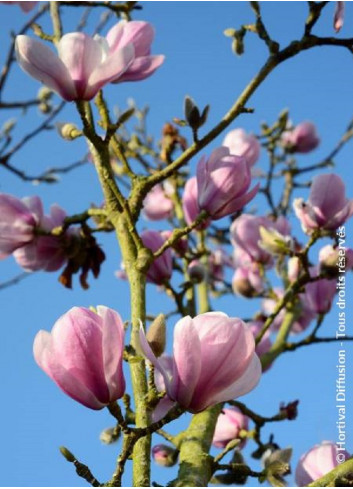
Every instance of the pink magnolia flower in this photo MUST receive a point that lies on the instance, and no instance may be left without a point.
(164, 455)
(85, 64)
(214, 360)
(223, 181)
(162, 268)
(245, 234)
(320, 294)
(157, 205)
(19, 220)
(242, 144)
(45, 252)
(83, 355)
(339, 16)
(317, 462)
(140, 34)
(302, 139)
(24, 6)
(190, 204)
(229, 424)
(327, 207)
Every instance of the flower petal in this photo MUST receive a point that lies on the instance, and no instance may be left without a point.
(41, 63)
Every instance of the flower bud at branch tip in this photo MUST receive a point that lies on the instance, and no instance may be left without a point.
(68, 131)
(156, 335)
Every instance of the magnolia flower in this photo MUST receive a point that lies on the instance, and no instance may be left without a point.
(191, 205)
(242, 144)
(83, 354)
(327, 207)
(162, 268)
(46, 252)
(320, 294)
(223, 181)
(302, 139)
(229, 424)
(213, 361)
(157, 205)
(19, 220)
(339, 16)
(84, 64)
(317, 462)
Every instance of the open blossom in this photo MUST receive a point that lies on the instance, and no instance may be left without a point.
(242, 144)
(190, 203)
(84, 64)
(320, 294)
(245, 234)
(214, 360)
(327, 206)
(157, 205)
(302, 139)
(19, 220)
(45, 252)
(162, 268)
(317, 462)
(24, 6)
(229, 424)
(83, 355)
(223, 181)
(339, 16)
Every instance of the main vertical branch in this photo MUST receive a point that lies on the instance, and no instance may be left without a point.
(135, 258)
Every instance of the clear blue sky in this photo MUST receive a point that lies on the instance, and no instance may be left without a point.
(36, 417)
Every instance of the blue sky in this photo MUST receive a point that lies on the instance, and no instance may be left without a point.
(36, 418)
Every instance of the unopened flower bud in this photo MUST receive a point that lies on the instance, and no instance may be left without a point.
(65, 452)
(165, 455)
(110, 435)
(68, 131)
(247, 281)
(156, 335)
(196, 271)
(44, 94)
(334, 260)
(44, 107)
(274, 242)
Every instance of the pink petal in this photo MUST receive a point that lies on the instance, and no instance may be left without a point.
(142, 68)
(81, 54)
(113, 350)
(187, 361)
(42, 64)
(110, 70)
